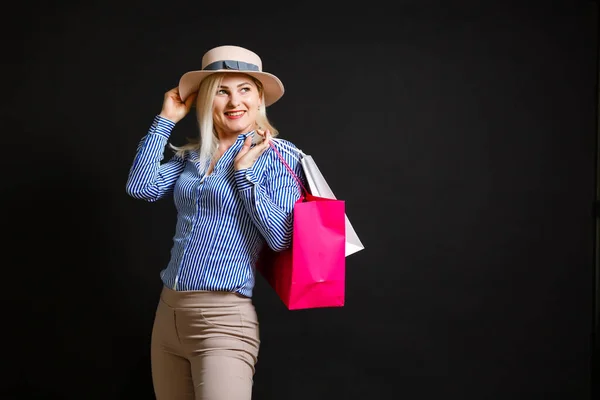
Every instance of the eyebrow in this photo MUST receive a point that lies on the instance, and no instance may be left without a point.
(241, 84)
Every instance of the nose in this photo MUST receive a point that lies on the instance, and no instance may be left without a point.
(234, 100)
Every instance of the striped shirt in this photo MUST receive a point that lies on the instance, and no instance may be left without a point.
(224, 218)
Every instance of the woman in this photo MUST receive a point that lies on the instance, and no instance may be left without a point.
(233, 195)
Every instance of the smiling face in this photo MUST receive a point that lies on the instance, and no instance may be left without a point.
(235, 106)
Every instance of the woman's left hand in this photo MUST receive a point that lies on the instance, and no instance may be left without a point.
(247, 155)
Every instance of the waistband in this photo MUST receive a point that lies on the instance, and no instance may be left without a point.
(201, 298)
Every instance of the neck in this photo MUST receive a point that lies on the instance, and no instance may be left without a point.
(227, 140)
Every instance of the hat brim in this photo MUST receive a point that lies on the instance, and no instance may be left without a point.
(273, 87)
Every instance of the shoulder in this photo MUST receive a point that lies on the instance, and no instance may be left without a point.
(189, 156)
(283, 142)
(286, 149)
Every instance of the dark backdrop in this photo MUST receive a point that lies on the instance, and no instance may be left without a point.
(462, 137)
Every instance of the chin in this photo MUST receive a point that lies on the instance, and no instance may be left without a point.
(240, 128)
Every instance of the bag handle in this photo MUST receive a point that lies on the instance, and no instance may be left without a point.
(288, 147)
(304, 191)
(297, 155)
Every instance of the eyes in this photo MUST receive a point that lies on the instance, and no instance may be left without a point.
(243, 89)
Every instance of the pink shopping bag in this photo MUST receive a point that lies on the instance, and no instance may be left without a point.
(311, 272)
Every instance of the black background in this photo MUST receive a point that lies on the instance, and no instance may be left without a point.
(461, 135)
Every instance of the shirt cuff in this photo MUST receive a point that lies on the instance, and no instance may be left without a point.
(245, 179)
(162, 126)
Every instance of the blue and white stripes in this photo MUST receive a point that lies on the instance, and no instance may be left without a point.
(223, 219)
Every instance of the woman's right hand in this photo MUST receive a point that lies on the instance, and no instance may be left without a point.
(173, 107)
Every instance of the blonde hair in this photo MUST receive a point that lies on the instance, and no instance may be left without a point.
(207, 142)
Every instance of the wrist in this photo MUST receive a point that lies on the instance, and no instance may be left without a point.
(169, 117)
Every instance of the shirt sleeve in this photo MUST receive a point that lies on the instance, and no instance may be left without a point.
(270, 201)
(149, 178)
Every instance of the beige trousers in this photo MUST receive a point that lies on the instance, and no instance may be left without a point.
(204, 346)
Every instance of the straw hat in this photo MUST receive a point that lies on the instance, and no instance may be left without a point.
(232, 59)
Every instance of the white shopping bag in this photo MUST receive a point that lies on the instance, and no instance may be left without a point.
(318, 186)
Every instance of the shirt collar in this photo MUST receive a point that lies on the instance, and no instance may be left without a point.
(243, 136)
